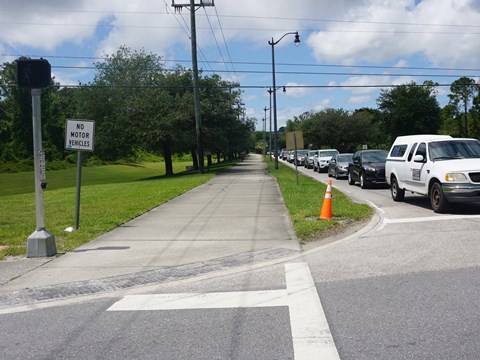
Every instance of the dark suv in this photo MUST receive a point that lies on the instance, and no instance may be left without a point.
(367, 167)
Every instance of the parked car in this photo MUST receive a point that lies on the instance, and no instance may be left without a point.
(338, 167)
(309, 159)
(301, 154)
(291, 156)
(443, 168)
(283, 154)
(368, 168)
(322, 159)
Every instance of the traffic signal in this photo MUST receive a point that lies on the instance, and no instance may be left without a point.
(35, 74)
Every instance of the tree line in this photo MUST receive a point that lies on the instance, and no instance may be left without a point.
(402, 110)
(138, 106)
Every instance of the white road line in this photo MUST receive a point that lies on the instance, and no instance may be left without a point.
(311, 334)
(221, 300)
(429, 218)
(372, 204)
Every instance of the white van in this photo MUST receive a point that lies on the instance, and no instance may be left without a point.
(444, 168)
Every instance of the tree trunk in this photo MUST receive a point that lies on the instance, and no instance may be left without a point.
(194, 158)
(167, 154)
(209, 160)
(219, 159)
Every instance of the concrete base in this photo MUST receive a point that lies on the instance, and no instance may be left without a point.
(41, 243)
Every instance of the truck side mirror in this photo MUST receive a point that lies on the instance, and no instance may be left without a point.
(418, 159)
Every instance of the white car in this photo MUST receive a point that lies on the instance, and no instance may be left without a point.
(444, 168)
(322, 159)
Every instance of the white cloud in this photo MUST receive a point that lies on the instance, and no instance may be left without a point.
(296, 90)
(361, 85)
(362, 99)
(386, 30)
(45, 25)
(323, 104)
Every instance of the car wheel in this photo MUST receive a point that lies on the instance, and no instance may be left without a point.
(363, 182)
(437, 198)
(397, 193)
(350, 179)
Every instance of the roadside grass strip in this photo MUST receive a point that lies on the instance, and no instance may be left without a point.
(304, 203)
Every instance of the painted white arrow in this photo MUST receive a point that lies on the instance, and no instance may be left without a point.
(311, 334)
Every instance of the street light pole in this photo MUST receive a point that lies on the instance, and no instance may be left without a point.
(275, 136)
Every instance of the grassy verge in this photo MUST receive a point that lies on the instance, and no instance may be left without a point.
(110, 196)
(304, 203)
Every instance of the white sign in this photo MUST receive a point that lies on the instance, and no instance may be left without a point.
(79, 134)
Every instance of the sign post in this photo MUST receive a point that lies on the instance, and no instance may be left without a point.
(35, 75)
(79, 135)
(294, 140)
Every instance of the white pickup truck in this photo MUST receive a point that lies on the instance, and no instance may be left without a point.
(444, 168)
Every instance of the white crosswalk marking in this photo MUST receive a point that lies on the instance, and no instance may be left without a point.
(311, 334)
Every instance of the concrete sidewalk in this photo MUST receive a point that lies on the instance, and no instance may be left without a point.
(237, 218)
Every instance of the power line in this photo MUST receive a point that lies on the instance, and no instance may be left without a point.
(216, 41)
(226, 45)
(268, 86)
(104, 12)
(297, 72)
(45, 56)
(382, 31)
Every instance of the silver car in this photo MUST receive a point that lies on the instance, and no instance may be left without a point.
(338, 167)
(309, 159)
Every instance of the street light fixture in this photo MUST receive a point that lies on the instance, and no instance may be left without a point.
(272, 44)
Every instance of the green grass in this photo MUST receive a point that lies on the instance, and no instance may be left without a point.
(114, 194)
(304, 203)
(110, 196)
(23, 182)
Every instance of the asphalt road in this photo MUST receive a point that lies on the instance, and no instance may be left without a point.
(405, 288)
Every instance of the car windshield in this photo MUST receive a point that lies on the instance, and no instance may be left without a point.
(326, 153)
(376, 156)
(454, 149)
(301, 152)
(344, 158)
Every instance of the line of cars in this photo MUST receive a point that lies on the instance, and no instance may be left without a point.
(318, 160)
(443, 168)
(365, 166)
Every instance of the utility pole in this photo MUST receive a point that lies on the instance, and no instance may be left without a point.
(264, 132)
(196, 94)
(270, 132)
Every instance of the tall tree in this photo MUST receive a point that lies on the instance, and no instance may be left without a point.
(463, 92)
(409, 109)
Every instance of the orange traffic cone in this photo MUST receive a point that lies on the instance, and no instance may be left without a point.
(326, 213)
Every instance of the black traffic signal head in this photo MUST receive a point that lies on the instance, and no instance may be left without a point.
(35, 74)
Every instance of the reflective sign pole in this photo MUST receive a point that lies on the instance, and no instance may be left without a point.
(40, 242)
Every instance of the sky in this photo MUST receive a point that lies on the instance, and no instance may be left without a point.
(349, 49)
